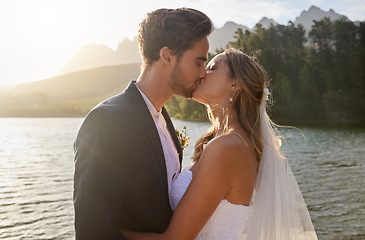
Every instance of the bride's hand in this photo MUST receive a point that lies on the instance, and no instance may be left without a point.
(131, 235)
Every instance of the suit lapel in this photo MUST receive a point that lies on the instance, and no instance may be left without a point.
(145, 118)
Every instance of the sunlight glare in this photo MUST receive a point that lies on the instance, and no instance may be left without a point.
(50, 17)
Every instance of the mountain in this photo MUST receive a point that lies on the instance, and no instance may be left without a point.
(94, 55)
(221, 36)
(266, 23)
(128, 52)
(306, 18)
(90, 56)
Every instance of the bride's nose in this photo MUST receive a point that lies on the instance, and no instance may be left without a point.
(207, 70)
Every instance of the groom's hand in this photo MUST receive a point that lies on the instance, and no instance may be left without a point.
(131, 235)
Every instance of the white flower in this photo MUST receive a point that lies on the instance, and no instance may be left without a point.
(183, 137)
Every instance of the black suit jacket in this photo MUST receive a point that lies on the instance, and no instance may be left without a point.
(120, 176)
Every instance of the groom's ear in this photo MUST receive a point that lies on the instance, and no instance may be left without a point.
(165, 55)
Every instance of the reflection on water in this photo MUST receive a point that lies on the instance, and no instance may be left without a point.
(36, 171)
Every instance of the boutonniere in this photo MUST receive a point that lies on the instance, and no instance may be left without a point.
(183, 137)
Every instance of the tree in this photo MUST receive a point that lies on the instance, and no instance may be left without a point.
(322, 81)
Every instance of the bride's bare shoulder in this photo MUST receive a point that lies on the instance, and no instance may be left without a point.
(229, 143)
(228, 150)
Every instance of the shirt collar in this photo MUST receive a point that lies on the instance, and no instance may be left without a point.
(150, 106)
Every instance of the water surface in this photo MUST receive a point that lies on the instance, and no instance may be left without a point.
(36, 176)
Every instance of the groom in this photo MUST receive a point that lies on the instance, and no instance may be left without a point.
(127, 152)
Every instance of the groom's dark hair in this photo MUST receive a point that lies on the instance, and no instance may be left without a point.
(177, 29)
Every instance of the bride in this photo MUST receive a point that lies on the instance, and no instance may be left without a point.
(240, 186)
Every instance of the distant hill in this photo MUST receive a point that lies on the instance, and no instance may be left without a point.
(71, 94)
(101, 82)
(94, 55)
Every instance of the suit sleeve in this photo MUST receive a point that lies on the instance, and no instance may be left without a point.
(99, 178)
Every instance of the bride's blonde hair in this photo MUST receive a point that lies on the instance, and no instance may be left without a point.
(252, 80)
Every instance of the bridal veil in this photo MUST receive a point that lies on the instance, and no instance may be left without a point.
(278, 211)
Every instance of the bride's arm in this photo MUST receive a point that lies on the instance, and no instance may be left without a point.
(211, 182)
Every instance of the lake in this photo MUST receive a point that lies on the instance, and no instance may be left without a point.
(36, 176)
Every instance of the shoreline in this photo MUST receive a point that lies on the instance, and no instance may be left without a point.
(280, 123)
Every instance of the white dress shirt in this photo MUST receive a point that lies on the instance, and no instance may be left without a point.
(169, 149)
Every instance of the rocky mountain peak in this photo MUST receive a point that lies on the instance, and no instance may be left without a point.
(306, 18)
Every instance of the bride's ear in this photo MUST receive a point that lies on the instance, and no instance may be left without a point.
(166, 55)
(235, 86)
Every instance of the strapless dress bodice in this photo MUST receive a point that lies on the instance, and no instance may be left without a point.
(227, 222)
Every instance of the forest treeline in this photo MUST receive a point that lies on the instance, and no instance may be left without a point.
(317, 76)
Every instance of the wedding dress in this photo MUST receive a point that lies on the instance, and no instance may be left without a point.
(228, 220)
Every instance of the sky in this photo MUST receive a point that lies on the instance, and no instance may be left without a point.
(38, 37)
